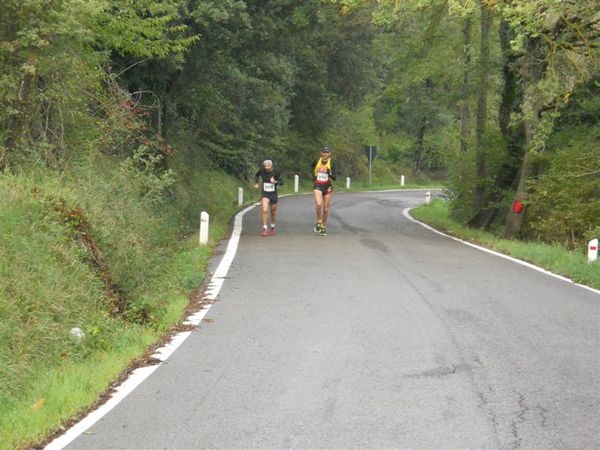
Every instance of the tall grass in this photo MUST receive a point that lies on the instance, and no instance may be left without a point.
(48, 284)
(571, 264)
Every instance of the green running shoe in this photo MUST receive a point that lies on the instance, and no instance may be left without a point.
(323, 231)
(317, 228)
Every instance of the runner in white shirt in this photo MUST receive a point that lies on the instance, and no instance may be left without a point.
(268, 194)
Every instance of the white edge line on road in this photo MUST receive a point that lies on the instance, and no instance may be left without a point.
(138, 376)
(397, 190)
(406, 213)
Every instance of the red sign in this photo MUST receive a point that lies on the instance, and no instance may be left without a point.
(517, 207)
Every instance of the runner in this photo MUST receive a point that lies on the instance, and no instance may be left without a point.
(324, 172)
(268, 193)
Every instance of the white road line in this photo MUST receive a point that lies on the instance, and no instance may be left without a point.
(138, 376)
(398, 190)
(406, 213)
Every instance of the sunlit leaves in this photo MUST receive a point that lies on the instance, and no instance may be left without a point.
(142, 28)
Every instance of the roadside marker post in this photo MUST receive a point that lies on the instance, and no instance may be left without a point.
(401, 180)
(428, 198)
(204, 220)
(593, 250)
(240, 196)
(296, 183)
(347, 182)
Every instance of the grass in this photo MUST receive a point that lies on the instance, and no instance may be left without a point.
(557, 259)
(60, 393)
(55, 393)
(47, 286)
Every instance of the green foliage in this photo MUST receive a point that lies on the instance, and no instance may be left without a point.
(51, 66)
(262, 73)
(463, 179)
(565, 203)
(143, 169)
(417, 106)
(142, 28)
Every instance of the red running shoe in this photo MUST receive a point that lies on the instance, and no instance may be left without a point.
(264, 232)
(272, 232)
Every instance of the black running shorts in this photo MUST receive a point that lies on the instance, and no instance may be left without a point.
(272, 196)
(326, 189)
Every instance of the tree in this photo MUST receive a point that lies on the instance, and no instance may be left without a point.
(420, 94)
(559, 44)
(52, 59)
(485, 14)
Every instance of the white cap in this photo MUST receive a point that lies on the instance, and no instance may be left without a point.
(267, 161)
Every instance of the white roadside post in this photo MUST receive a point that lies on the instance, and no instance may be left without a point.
(347, 182)
(240, 196)
(401, 180)
(593, 250)
(427, 198)
(296, 183)
(204, 219)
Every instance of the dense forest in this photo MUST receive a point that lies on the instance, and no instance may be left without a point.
(500, 96)
(120, 119)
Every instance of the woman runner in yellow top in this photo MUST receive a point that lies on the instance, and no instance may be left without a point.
(324, 173)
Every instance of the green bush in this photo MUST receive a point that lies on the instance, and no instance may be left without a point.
(565, 204)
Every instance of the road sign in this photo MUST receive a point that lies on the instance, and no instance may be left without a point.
(370, 151)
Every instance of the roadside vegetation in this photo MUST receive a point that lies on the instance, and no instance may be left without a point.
(83, 250)
(572, 264)
(121, 121)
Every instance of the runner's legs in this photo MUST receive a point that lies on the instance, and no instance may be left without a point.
(264, 203)
(318, 195)
(273, 214)
(326, 203)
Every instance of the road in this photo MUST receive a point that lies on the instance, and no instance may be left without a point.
(380, 335)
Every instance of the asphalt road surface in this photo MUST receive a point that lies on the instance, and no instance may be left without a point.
(380, 335)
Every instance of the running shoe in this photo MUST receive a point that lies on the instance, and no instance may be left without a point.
(317, 228)
(264, 232)
(323, 231)
(272, 232)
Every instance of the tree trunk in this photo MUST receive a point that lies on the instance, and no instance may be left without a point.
(514, 134)
(482, 94)
(18, 122)
(465, 109)
(532, 72)
(418, 161)
(514, 221)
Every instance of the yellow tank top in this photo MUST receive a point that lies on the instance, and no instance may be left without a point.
(321, 171)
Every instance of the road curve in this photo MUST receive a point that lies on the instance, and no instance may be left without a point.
(380, 335)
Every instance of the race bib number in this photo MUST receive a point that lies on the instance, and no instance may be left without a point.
(268, 187)
(322, 177)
